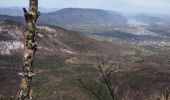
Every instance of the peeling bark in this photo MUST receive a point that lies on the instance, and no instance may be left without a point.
(30, 47)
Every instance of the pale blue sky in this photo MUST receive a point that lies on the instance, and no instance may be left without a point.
(155, 6)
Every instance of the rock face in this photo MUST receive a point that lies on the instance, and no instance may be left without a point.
(7, 46)
(10, 37)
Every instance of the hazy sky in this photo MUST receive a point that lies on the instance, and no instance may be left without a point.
(155, 6)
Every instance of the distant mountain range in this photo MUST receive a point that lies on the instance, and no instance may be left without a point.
(79, 17)
(76, 19)
(84, 20)
(12, 18)
(152, 19)
(102, 22)
(17, 11)
(12, 11)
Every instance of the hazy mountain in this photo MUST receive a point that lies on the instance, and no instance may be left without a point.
(150, 32)
(84, 20)
(12, 18)
(147, 18)
(12, 11)
(101, 22)
(18, 11)
(152, 18)
(47, 10)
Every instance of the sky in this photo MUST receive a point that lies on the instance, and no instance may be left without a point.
(151, 6)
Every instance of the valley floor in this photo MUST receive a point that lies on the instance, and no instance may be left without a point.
(144, 74)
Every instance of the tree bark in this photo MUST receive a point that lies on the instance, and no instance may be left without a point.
(30, 47)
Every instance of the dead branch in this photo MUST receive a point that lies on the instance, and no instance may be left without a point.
(30, 47)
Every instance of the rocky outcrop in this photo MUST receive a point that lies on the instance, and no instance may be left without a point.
(7, 46)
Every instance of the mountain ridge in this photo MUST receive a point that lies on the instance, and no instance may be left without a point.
(18, 11)
(83, 20)
(57, 39)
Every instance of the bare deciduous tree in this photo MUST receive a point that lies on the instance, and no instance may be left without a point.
(30, 47)
(106, 70)
(165, 92)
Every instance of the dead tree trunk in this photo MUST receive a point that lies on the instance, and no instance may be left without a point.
(30, 47)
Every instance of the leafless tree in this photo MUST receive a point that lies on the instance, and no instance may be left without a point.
(165, 92)
(30, 47)
(106, 69)
(107, 73)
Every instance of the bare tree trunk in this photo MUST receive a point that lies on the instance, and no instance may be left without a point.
(30, 47)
